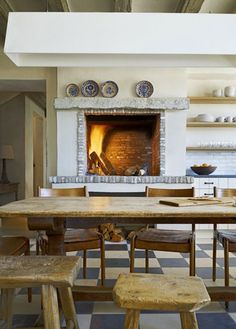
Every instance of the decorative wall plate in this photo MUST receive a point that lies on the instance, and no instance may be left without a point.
(90, 88)
(109, 89)
(144, 89)
(72, 90)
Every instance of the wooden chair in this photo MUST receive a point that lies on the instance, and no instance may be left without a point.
(159, 292)
(48, 273)
(15, 246)
(227, 238)
(75, 239)
(165, 240)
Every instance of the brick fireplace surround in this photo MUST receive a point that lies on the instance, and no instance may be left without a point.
(102, 108)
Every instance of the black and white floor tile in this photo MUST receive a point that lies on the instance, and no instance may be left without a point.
(106, 315)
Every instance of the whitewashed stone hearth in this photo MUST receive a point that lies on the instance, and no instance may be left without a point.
(122, 179)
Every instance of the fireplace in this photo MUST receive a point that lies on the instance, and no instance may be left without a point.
(123, 145)
(135, 134)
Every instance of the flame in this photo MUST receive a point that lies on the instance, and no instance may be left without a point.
(97, 134)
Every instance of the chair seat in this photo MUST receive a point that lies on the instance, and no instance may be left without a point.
(230, 235)
(164, 236)
(13, 245)
(76, 235)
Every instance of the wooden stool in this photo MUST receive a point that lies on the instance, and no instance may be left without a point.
(15, 246)
(48, 272)
(136, 292)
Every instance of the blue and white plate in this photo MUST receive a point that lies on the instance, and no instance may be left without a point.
(72, 90)
(90, 88)
(144, 89)
(109, 89)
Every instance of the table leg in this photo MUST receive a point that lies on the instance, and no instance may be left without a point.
(55, 229)
(55, 243)
(56, 237)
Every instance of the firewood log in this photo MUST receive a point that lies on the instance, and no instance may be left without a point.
(132, 171)
(98, 162)
(108, 164)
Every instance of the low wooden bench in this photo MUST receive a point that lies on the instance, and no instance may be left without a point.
(136, 292)
(47, 272)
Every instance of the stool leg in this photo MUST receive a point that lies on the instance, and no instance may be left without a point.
(27, 253)
(103, 265)
(85, 264)
(192, 257)
(68, 308)
(132, 249)
(226, 265)
(188, 320)
(50, 307)
(132, 319)
(6, 313)
(214, 252)
(146, 261)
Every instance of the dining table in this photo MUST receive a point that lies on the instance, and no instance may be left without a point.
(53, 213)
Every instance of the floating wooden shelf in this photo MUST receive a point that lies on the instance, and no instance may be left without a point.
(199, 148)
(212, 100)
(211, 124)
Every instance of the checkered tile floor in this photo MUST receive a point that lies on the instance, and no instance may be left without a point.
(105, 315)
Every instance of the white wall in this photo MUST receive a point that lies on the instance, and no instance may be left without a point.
(166, 82)
(8, 71)
(12, 131)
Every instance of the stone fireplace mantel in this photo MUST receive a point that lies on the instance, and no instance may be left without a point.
(168, 103)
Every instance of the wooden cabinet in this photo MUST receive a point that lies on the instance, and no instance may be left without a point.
(11, 188)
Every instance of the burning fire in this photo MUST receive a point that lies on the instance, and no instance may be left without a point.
(97, 135)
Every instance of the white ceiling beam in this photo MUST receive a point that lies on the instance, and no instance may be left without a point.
(58, 5)
(131, 42)
(124, 6)
(189, 6)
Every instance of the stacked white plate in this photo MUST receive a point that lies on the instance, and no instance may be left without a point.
(205, 117)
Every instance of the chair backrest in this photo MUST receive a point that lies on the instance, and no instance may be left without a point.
(224, 192)
(161, 192)
(47, 192)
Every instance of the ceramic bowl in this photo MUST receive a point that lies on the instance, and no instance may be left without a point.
(203, 170)
(205, 117)
(218, 92)
(220, 119)
(229, 91)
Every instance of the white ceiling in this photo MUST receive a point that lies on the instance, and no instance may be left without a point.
(213, 6)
